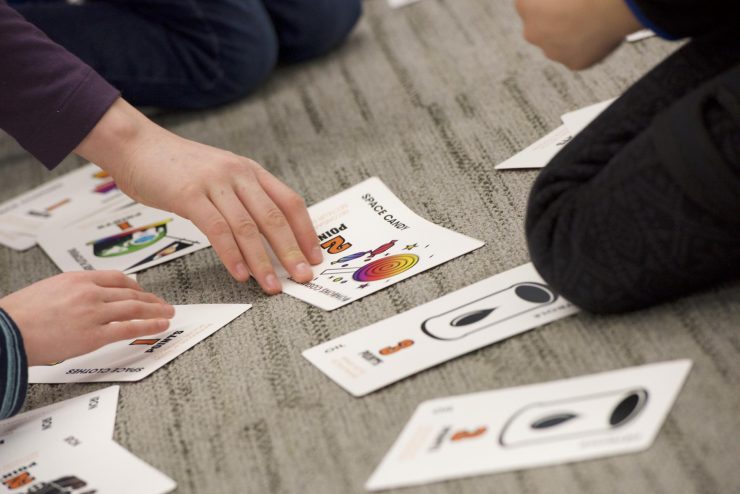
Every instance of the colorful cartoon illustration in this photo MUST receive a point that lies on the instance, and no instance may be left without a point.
(107, 185)
(164, 252)
(130, 240)
(488, 311)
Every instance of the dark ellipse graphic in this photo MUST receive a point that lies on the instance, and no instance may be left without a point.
(536, 294)
(628, 408)
(471, 317)
(553, 420)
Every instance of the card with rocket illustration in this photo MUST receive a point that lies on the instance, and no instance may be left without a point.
(371, 240)
(129, 239)
(77, 466)
(133, 360)
(80, 193)
(92, 416)
(577, 419)
(486, 312)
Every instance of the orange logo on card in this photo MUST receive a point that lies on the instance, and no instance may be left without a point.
(18, 481)
(390, 350)
(462, 435)
(144, 341)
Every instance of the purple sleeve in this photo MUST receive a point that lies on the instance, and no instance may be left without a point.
(49, 99)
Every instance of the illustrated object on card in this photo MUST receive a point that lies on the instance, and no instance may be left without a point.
(130, 239)
(63, 485)
(489, 310)
(573, 417)
(380, 269)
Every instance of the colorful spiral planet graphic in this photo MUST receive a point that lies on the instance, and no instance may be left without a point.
(386, 267)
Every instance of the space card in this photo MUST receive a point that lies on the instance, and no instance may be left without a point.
(371, 240)
(133, 360)
(483, 313)
(558, 422)
(129, 239)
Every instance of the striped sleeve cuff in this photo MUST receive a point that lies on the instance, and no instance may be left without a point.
(14, 367)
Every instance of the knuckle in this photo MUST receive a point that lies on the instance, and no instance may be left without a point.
(274, 218)
(295, 202)
(219, 228)
(246, 227)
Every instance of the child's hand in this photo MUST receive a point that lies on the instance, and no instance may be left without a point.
(75, 313)
(576, 33)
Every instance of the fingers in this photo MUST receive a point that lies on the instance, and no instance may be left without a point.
(112, 279)
(296, 213)
(274, 224)
(120, 294)
(248, 237)
(117, 331)
(210, 221)
(128, 310)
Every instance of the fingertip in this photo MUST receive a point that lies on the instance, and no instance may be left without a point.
(272, 285)
(317, 255)
(162, 324)
(241, 272)
(302, 272)
(170, 310)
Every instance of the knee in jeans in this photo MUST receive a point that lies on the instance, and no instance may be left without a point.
(324, 27)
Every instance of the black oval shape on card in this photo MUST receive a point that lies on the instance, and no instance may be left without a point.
(471, 317)
(628, 408)
(553, 420)
(537, 294)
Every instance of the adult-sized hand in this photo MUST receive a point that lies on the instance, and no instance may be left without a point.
(76, 313)
(576, 33)
(230, 198)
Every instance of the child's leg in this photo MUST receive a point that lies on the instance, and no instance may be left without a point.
(168, 53)
(638, 209)
(309, 28)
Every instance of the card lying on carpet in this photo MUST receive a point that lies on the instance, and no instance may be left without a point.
(92, 416)
(540, 153)
(578, 120)
(133, 360)
(558, 422)
(130, 239)
(481, 314)
(57, 203)
(77, 466)
(371, 240)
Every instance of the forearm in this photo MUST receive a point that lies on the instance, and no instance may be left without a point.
(13, 367)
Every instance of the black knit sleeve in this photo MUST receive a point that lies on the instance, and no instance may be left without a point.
(638, 209)
(14, 376)
(686, 18)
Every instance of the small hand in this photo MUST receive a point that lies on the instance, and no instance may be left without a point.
(576, 33)
(76, 313)
(232, 199)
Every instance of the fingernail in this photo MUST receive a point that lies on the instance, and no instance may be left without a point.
(272, 283)
(317, 255)
(303, 270)
(242, 272)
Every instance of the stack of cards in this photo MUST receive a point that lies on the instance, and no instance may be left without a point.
(545, 424)
(133, 360)
(371, 240)
(57, 203)
(542, 151)
(68, 448)
(481, 314)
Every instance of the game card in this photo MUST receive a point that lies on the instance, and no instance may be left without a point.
(130, 239)
(57, 203)
(371, 240)
(92, 416)
(77, 466)
(486, 312)
(133, 360)
(400, 3)
(558, 422)
(540, 153)
(578, 120)
(640, 35)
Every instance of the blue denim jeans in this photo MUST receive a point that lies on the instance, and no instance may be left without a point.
(192, 53)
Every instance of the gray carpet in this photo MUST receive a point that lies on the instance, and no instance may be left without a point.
(429, 98)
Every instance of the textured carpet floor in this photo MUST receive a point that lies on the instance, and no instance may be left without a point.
(429, 98)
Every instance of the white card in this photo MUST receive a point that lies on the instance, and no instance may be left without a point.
(640, 35)
(558, 422)
(92, 416)
(16, 241)
(59, 202)
(540, 153)
(133, 360)
(400, 3)
(486, 312)
(131, 239)
(578, 120)
(371, 240)
(77, 466)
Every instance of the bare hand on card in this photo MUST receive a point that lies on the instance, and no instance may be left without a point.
(576, 33)
(232, 199)
(75, 313)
